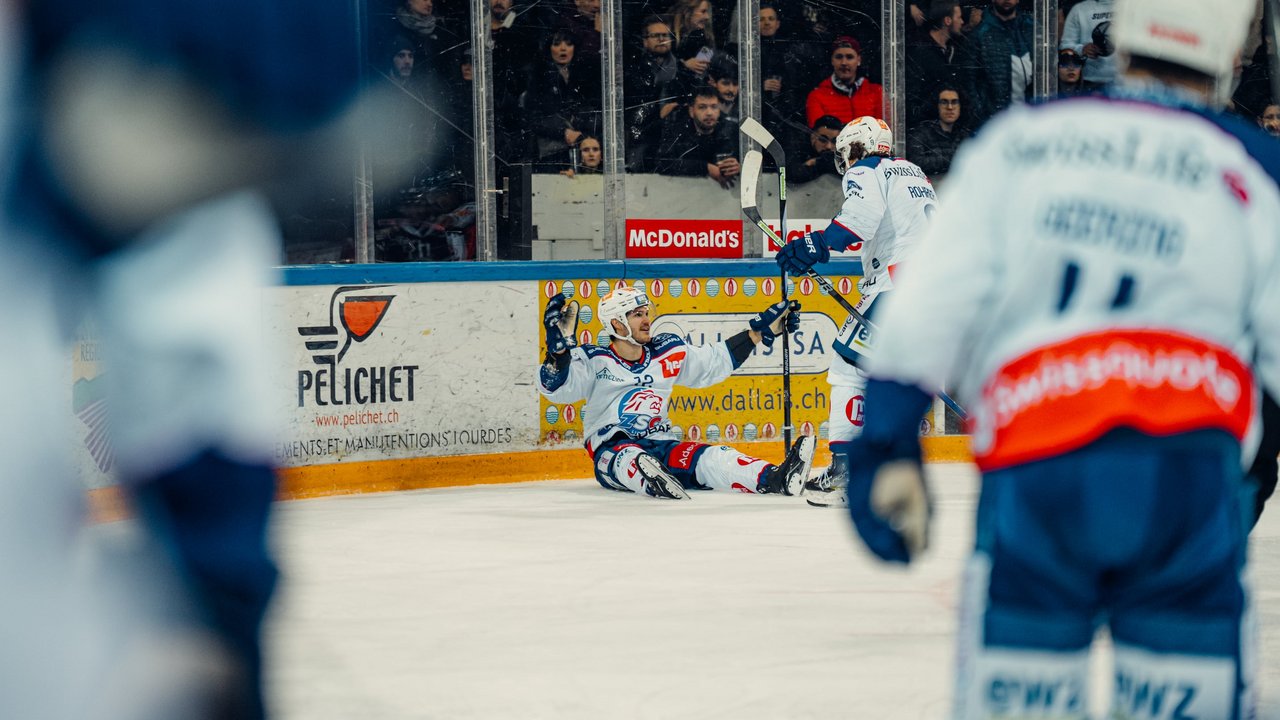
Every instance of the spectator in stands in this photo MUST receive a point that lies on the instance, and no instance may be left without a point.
(1270, 119)
(934, 143)
(588, 160)
(515, 47)
(844, 94)
(722, 74)
(939, 57)
(778, 65)
(781, 60)
(1003, 44)
(1071, 74)
(818, 156)
(584, 21)
(695, 39)
(696, 143)
(562, 102)
(433, 37)
(1087, 30)
(402, 51)
(645, 88)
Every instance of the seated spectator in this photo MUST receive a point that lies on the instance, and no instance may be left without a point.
(1087, 30)
(1070, 74)
(1002, 43)
(934, 143)
(1269, 120)
(939, 56)
(645, 88)
(562, 102)
(696, 143)
(588, 160)
(818, 156)
(844, 94)
(722, 75)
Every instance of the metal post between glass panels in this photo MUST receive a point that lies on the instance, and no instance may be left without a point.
(1046, 50)
(893, 61)
(482, 129)
(749, 101)
(615, 198)
(362, 181)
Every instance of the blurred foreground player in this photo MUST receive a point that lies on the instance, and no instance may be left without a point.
(627, 386)
(134, 134)
(1103, 285)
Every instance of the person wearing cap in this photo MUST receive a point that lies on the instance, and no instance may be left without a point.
(1070, 74)
(844, 94)
(1114, 339)
(1088, 32)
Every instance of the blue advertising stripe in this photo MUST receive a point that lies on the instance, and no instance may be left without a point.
(399, 273)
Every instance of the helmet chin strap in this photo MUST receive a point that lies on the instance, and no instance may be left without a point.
(628, 337)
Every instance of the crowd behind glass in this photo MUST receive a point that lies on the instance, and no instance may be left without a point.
(819, 67)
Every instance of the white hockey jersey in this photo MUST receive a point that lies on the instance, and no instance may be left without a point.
(631, 397)
(1099, 263)
(887, 206)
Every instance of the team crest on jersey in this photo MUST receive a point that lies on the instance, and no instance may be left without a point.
(671, 364)
(640, 412)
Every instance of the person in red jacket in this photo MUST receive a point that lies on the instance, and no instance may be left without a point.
(844, 94)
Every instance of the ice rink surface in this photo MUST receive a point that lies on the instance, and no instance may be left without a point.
(564, 600)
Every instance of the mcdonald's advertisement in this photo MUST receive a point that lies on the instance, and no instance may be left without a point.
(746, 407)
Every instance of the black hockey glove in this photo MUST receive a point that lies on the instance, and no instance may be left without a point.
(780, 316)
(798, 256)
(561, 322)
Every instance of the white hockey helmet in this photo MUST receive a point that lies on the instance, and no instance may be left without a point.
(1196, 34)
(862, 137)
(616, 305)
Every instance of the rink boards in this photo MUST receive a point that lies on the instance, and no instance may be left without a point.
(425, 375)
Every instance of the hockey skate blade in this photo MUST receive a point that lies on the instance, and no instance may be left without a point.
(660, 483)
(829, 499)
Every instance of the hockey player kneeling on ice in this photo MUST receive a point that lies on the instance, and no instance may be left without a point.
(628, 384)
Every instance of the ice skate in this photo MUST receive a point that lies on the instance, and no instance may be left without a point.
(657, 481)
(829, 488)
(788, 478)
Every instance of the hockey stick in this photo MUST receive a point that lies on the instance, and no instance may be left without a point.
(758, 133)
(750, 174)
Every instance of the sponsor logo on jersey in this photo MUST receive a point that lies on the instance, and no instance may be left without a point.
(354, 314)
(671, 364)
(604, 374)
(744, 461)
(854, 410)
(681, 456)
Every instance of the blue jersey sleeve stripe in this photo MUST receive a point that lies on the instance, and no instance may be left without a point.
(839, 237)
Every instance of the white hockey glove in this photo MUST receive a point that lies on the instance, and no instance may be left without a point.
(561, 322)
(898, 496)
